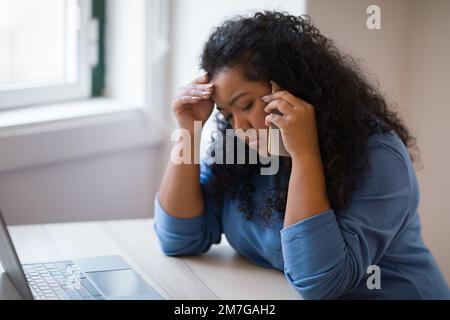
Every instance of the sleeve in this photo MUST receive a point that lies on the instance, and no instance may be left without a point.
(326, 255)
(190, 236)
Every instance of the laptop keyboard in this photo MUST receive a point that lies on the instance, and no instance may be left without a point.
(59, 281)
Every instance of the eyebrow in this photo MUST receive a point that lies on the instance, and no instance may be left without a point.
(233, 99)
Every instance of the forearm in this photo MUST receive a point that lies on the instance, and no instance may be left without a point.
(307, 191)
(180, 192)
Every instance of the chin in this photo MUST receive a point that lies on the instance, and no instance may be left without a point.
(260, 146)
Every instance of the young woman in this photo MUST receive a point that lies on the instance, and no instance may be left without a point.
(342, 205)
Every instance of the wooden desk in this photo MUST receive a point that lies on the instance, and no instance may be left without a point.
(219, 274)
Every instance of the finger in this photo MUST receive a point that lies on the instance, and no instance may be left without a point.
(208, 86)
(201, 79)
(197, 93)
(280, 105)
(282, 95)
(181, 100)
(275, 119)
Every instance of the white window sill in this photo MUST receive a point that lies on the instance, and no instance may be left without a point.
(63, 132)
(59, 112)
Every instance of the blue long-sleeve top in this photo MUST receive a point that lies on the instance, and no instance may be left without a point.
(327, 256)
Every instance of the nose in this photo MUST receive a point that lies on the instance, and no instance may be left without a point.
(240, 122)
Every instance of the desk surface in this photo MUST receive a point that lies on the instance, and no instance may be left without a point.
(220, 273)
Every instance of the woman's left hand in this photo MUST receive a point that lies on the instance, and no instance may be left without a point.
(297, 123)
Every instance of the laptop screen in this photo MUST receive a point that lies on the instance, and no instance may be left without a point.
(11, 263)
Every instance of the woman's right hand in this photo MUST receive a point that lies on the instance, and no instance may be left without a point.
(193, 103)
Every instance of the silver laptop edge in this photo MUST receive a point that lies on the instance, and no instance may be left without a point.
(110, 276)
(11, 263)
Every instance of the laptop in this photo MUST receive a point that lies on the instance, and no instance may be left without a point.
(96, 278)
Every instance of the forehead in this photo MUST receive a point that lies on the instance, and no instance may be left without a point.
(228, 82)
(228, 76)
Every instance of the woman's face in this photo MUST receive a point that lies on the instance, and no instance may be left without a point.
(238, 100)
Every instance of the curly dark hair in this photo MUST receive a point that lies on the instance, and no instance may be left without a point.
(291, 51)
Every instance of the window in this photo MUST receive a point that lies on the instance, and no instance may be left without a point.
(47, 51)
(133, 90)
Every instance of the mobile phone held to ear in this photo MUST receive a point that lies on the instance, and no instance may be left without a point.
(275, 145)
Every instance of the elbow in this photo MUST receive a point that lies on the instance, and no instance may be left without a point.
(171, 250)
(315, 293)
(177, 245)
(329, 285)
(177, 249)
(310, 289)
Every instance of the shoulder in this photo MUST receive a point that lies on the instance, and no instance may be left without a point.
(390, 143)
(390, 167)
(387, 191)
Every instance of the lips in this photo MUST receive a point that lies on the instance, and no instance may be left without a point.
(254, 143)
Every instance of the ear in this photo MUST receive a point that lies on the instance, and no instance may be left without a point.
(275, 86)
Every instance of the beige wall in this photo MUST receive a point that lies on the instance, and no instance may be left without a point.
(381, 52)
(429, 102)
(410, 58)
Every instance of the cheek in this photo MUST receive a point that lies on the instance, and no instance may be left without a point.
(258, 116)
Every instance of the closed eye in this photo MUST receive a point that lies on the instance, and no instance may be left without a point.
(243, 108)
(247, 107)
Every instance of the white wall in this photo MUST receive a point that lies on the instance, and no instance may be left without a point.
(193, 20)
(112, 186)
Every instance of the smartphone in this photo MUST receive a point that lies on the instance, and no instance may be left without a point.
(274, 139)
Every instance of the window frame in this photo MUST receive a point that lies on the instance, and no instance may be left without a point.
(73, 130)
(27, 96)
